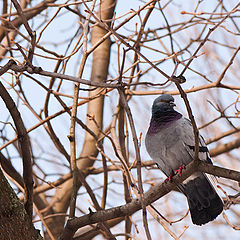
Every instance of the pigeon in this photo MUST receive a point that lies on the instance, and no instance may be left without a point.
(170, 143)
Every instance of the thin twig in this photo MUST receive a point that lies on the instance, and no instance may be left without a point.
(150, 196)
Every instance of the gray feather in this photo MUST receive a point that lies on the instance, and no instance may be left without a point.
(170, 143)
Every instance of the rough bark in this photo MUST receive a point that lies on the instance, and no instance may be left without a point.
(14, 220)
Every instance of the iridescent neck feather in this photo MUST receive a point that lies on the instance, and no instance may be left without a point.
(161, 120)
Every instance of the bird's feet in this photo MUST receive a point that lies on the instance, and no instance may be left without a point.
(169, 178)
(179, 171)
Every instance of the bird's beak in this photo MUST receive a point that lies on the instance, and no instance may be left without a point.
(172, 104)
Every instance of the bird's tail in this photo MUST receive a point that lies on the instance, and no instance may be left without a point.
(204, 203)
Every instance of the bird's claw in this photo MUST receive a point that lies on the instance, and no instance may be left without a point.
(179, 171)
(169, 178)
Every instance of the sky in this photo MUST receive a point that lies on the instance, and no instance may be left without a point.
(55, 38)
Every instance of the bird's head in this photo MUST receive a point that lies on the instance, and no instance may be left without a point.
(163, 104)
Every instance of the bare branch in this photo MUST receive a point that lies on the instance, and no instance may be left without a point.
(152, 195)
(25, 147)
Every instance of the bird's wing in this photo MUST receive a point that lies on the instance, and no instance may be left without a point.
(174, 146)
(200, 188)
(189, 141)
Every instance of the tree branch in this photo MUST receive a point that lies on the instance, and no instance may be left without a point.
(25, 147)
(150, 196)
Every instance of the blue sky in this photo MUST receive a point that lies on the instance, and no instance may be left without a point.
(56, 36)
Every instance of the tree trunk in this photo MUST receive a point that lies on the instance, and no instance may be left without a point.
(15, 224)
(101, 56)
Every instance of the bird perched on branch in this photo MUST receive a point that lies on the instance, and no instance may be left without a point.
(170, 143)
